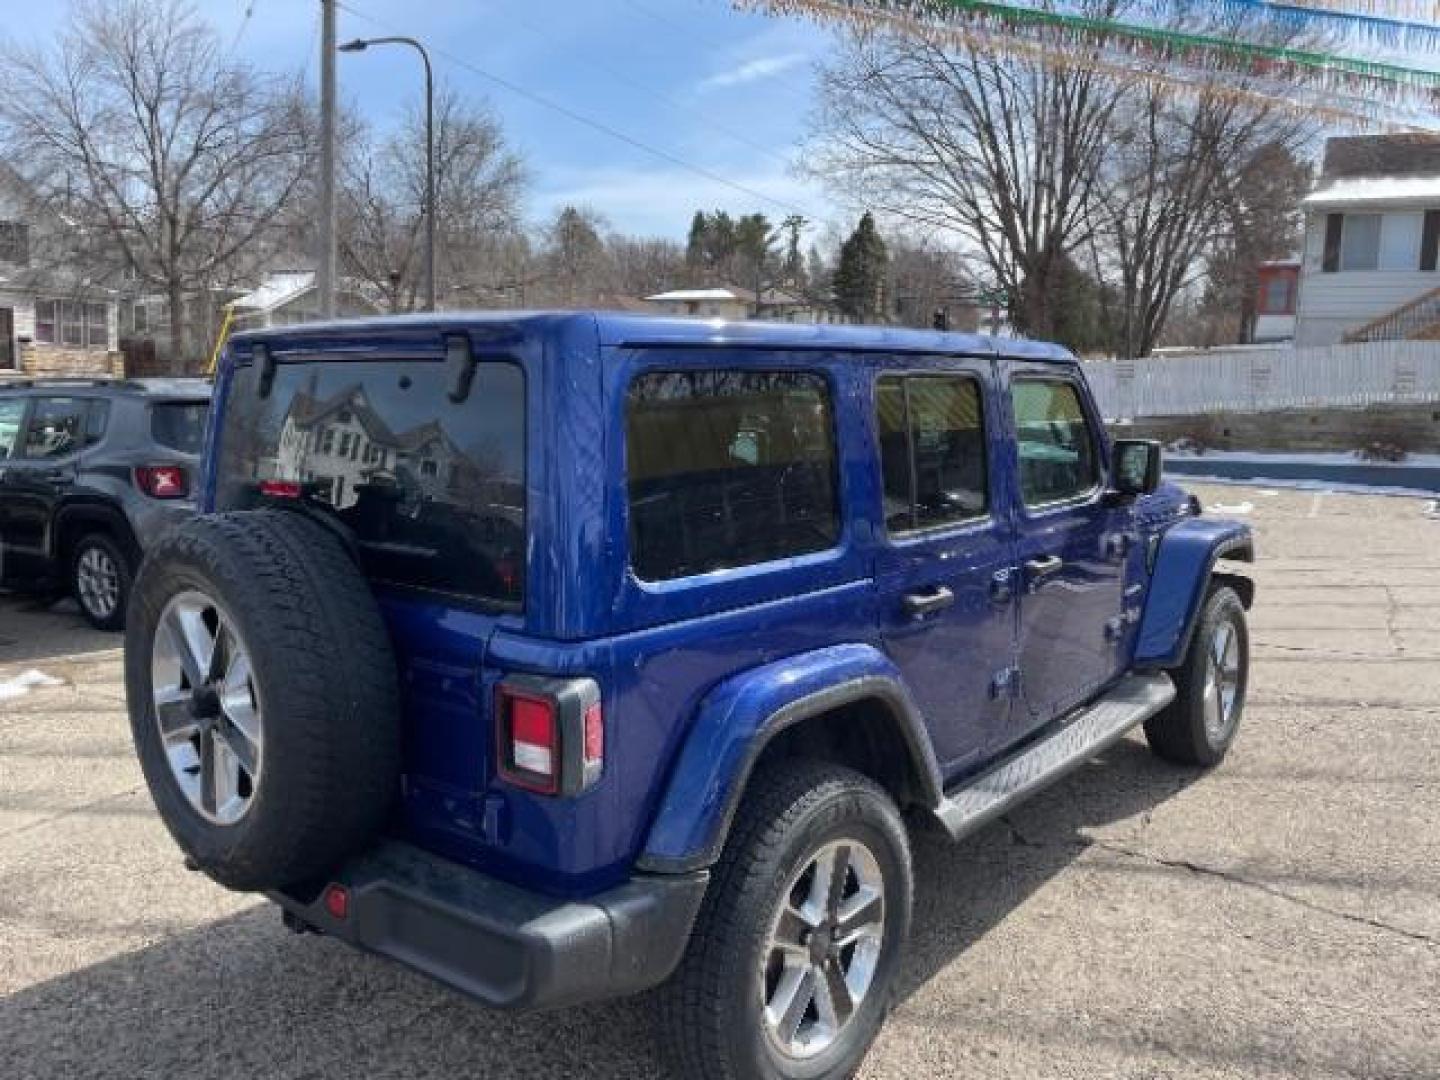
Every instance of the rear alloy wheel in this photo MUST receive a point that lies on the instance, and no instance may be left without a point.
(206, 707)
(100, 579)
(824, 948)
(791, 965)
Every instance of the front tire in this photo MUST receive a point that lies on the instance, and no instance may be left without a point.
(1200, 725)
(790, 971)
(100, 580)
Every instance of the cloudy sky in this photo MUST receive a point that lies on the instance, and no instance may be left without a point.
(724, 93)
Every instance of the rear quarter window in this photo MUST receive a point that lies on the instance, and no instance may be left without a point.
(180, 425)
(728, 468)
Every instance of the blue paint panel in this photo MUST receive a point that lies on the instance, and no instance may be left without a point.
(1188, 551)
(727, 730)
(689, 670)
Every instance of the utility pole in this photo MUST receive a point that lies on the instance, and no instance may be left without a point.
(325, 264)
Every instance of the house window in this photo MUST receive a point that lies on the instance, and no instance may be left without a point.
(1360, 242)
(47, 317)
(69, 322)
(1278, 296)
(14, 243)
(327, 440)
(1381, 241)
(345, 444)
(429, 467)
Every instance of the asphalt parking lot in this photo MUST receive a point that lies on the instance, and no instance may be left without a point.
(1277, 918)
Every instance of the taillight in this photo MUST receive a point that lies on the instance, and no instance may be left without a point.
(281, 489)
(162, 481)
(549, 734)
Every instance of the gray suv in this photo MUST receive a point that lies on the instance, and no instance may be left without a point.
(91, 473)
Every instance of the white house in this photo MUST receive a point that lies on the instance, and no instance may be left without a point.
(284, 299)
(53, 320)
(1372, 232)
(732, 302)
(341, 442)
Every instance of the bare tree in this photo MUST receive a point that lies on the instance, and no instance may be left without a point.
(479, 185)
(1004, 151)
(163, 148)
(1169, 179)
(643, 266)
(576, 263)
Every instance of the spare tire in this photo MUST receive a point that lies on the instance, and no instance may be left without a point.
(263, 698)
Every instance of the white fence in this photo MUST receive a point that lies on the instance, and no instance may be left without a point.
(1256, 380)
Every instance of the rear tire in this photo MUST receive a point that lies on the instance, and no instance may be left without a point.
(263, 698)
(101, 578)
(770, 932)
(1199, 726)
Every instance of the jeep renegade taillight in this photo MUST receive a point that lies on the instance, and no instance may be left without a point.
(162, 481)
(549, 734)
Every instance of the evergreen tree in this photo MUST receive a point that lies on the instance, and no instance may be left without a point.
(697, 248)
(860, 276)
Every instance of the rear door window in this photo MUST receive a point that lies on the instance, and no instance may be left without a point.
(932, 450)
(728, 468)
(433, 490)
(180, 425)
(57, 428)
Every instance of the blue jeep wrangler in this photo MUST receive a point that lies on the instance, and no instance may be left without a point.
(562, 656)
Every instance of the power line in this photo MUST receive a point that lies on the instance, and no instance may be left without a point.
(590, 122)
(661, 96)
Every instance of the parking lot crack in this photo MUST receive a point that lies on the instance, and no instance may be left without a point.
(81, 809)
(1270, 890)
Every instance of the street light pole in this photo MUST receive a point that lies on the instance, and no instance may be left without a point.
(360, 45)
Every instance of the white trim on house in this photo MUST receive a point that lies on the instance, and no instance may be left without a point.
(1377, 192)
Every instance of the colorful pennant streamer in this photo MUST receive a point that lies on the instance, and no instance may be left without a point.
(1185, 81)
(1377, 83)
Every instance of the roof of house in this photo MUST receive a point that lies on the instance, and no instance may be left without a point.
(692, 295)
(1361, 191)
(277, 290)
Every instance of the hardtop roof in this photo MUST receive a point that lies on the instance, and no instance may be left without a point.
(615, 329)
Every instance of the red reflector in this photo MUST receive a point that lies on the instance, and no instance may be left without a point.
(594, 735)
(162, 481)
(337, 901)
(281, 489)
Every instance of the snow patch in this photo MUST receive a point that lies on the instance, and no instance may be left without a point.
(26, 681)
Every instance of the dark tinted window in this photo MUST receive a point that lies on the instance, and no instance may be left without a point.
(56, 428)
(728, 468)
(434, 491)
(180, 425)
(932, 450)
(1056, 444)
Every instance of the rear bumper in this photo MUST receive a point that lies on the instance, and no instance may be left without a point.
(506, 946)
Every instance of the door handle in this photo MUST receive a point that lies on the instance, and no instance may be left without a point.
(1037, 570)
(918, 605)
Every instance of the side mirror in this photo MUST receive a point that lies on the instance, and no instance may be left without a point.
(1135, 466)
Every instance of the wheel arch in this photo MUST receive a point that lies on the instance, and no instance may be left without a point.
(77, 520)
(844, 703)
(1181, 574)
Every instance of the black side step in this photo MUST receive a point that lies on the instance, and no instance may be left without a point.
(1077, 738)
